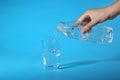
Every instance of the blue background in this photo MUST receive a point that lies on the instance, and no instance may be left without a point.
(24, 23)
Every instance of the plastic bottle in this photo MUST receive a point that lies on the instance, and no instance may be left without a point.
(98, 34)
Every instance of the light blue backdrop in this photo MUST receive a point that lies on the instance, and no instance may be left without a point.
(24, 23)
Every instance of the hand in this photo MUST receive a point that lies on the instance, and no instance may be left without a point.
(92, 17)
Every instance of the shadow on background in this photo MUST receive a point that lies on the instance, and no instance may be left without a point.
(80, 63)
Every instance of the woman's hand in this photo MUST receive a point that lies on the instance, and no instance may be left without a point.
(92, 17)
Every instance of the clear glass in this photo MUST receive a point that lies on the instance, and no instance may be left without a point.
(98, 34)
(51, 54)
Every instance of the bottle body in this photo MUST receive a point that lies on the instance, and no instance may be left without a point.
(98, 34)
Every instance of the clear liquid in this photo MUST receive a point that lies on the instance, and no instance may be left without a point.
(52, 59)
(101, 35)
(52, 55)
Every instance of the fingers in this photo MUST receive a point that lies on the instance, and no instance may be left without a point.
(81, 19)
(86, 22)
(88, 26)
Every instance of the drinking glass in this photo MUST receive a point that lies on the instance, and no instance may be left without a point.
(51, 52)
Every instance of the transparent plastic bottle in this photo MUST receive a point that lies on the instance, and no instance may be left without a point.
(98, 34)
